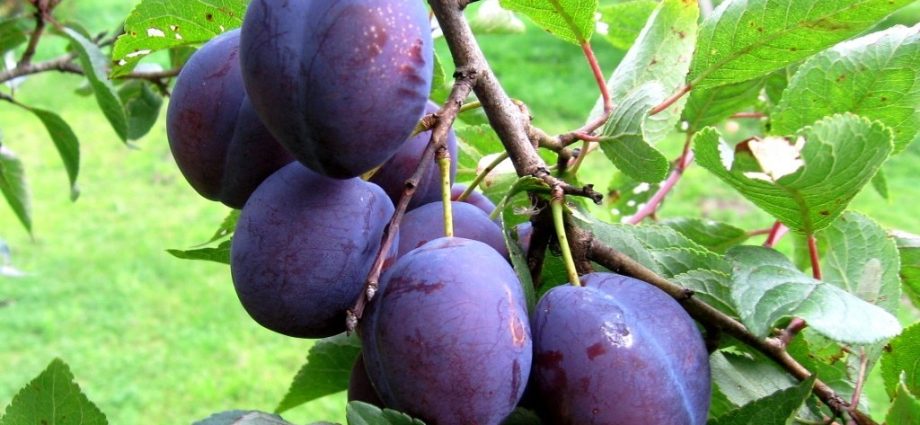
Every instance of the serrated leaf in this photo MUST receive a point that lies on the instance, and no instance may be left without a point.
(142, 106)
(776, 409)
(900, 359)
(656, 247)
(766, 287)
(828, 360)
(719, 404)
(745, 377)
(327, 371)
(569, 20)
(162, 24)
(858, 256)
(625, 20)
(743, 40)
(518, 258)
(95, 66)
(710, 106)
(710, 286)
(909, 251)
(66, 142)
(876, 76)
(905, 409)
(12, 32)
(52, 398)
(661, 53)
(359, 413)
(473, 143)
(242, 417)
(218, 254)
(715, 236)
(840, 155)
(13, 186)
(624, 139)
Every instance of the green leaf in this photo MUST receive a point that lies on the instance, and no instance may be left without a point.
(776, 84)
(327, 371)
(13, 186)
(711, 106)
(901, 357)
(909, 250)
(715, 236)
(624, 139)
(66, 142)
(710, 286)
(569, 20)
(218, 254)
(473, 143)
(876, 76)
(12, 32)
(627, 195)
(880, 184)
(162, 24)
(776, 409)
(490, 18)
(440, 85)
(905, 409)
(858, 256)
(747, 376)
(766, 287)
(625, 21)
(519, 261)
(661, 53)
(743, 40)
(227, 227)
(142, 106)
(52, 398)
(360, 413)
(522, 416)
(521, 185)
(804, 187)
(242, 417)
(95, 66)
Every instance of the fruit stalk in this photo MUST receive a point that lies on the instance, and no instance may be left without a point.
(444, 167)
(559, 223)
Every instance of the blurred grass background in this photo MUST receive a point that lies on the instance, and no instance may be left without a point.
(154, 339)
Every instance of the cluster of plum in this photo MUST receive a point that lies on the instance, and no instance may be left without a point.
(281, 118)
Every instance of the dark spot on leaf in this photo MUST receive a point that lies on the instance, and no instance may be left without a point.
(209, 17)
(841, 78)
(825, 213)
(793, 49)
(884, 99)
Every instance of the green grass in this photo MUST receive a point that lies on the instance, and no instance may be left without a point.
(153, 339)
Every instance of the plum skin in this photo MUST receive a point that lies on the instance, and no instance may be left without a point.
(219, 143)
(303, 247)
(426, 223)
(475, 198)
(393, 174)
(340, 83)
(446, 342)
(619, 351)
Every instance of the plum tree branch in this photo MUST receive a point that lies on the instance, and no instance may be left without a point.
(444, 118)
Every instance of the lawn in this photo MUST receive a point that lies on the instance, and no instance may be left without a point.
(154, 339)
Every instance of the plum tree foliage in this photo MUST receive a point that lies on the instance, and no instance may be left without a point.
(519, 295)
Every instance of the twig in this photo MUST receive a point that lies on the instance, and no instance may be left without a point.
(481, 176)
(671, 100)
(776, 233)
(41, 12)
(750, 115)
(861, 377)
(686, 158)
(443, 158)
(445, 118)
(709, 316)
(814, 256)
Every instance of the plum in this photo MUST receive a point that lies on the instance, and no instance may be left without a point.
(303, 247)
(359, 385)
(426, 223)
(219, 143)
(393, 174)
(340, 83)
(447, 337)
(475, 198)
(619, 351)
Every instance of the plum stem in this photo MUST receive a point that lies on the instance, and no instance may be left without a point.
(605, 97)
(482, 176)
(671, 100)
(444, 166)
(686, 158)
(559, 223)
(776, 233)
